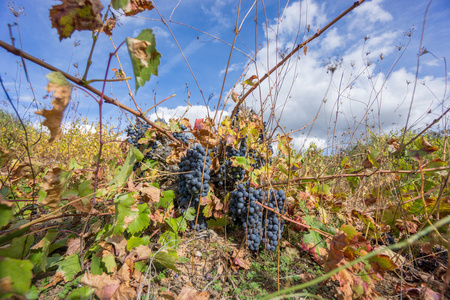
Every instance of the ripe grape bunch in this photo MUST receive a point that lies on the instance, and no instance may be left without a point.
(190, 182)
(246, 213)
(273, 225)
(181, 136)
(134, 134)
(228, 175)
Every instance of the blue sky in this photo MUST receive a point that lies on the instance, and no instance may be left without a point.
(364, 91)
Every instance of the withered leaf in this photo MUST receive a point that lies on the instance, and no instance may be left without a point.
(136, 6)
(188, 293)
(76, 15)
(105, 285)
(62, 90)
(108, 27)
(53, 187)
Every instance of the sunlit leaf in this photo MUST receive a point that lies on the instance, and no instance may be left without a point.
(69, 267)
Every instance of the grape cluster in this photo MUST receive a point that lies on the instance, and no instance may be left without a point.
(181, 136)
(246, 213)
(273, 225)
(134, 134)
(190, 182)
(262, 226)
(228, 175)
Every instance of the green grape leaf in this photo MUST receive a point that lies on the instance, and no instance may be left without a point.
(6, 212)
(46, 243)
(5, 238)
(144, 56)
(82, 293)
(135, 242)
(69, 267)
(169, 238)
(133, 156)
(110, 263)
(19, 247)
(129, 215)
(96, 268)
(116, 4)
(189, 214)
(167, 199)
(166, 260)
(15, 276)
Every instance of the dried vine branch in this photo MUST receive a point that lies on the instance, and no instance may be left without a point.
(83, 84)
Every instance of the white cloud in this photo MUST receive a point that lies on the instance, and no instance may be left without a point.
(231, 68)
(193, 113)
(369, 13)
(160, 33)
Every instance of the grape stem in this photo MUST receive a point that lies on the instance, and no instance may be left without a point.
(295, 222)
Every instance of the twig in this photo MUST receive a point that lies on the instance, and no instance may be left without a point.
(295, 222)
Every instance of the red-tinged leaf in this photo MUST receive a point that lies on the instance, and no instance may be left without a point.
(76, 15)
(403, 225)
(381, 263)
(199, 124)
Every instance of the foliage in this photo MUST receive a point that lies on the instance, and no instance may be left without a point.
(71, 200)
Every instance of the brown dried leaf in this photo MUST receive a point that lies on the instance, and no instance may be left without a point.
(82, 205)
(61, 96)
(73, 246)
(136, 6)
(105, 285)
(124, 292)
(151, 194)
(76, 15)
(188, 293)
(143, 251)
(120, 245)
(138, 49)
(53, 187)
(107, 29)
